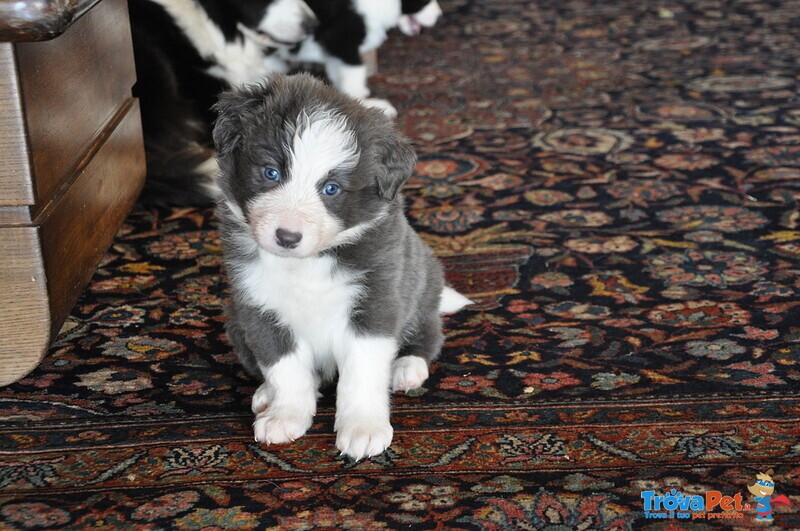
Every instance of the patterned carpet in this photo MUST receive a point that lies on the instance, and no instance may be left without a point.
(616, 184)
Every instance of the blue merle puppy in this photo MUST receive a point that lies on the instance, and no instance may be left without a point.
(327, 275)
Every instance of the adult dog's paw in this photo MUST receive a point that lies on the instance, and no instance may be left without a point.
(408, 372)
(364, 438)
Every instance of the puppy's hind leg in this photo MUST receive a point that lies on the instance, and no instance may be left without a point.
(452, 301)
(381, 104)
(410, 369)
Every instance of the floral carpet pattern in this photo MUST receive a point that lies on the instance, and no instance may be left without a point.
(615, 184)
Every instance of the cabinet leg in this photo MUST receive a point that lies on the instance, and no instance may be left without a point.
(24, 304)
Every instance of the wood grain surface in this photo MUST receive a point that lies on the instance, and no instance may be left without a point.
(71, 87)
(24, 309)
(81, 225)
(16, 187)
(71, 142)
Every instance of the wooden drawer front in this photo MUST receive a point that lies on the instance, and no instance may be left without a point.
(82, 225)
(71, 86)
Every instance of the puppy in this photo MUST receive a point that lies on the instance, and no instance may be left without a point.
(326, 274)
(348, 29)
(187, 52)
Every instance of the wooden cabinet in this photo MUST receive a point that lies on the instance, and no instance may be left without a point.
(72, 161)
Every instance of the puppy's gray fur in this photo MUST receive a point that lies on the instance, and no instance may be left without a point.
(397, 280)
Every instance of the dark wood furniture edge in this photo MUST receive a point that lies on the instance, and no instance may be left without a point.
(108, 130)
(70, 179)
(39, 20)
(91, 211)
(86, 216)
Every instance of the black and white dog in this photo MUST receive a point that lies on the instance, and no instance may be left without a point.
(326, 273)
(188, 51)
(348, 29)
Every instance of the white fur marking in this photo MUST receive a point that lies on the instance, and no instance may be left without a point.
(452, 301)
(236, 62)
(237, 212)
(209, 168)
(314, 299)
(409, 372)
(424, 18)
(260, 399)
(429, 14)
(309, 51)
(383, 105)
(379, 16)
(209, 172)
(350, 79)
(290, 394)
(310, 296)
(322, 142)
(353, 234)
(284, 19)
(362, 396)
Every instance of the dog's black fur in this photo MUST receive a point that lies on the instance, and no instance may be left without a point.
(176, 96)
(176, 91)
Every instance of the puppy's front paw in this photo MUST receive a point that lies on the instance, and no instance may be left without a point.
(366, 438)
(279, 427)
(377, 103)
(261, 398)
(408, 372)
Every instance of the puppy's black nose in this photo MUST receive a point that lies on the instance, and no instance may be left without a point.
(288, 239)
(310, 24)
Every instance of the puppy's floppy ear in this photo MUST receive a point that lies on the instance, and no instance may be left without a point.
(229, 108)
(397, 159)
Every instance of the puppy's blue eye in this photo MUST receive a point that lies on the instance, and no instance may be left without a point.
(272, 174)
(330, 189)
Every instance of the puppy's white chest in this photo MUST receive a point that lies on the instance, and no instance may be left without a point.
(309, 295)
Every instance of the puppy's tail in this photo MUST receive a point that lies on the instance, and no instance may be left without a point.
(184, 177)
(452, 301)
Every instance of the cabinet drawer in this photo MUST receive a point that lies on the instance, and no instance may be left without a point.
(71, 87)
(81, 226)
